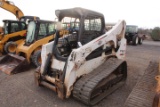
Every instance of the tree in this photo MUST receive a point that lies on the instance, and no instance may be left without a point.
(155, 34)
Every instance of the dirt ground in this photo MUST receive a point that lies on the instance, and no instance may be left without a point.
(20, 90)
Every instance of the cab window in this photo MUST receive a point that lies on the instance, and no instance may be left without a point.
(51, 29)
(23, 26)
(14, 27)
(93, 24)
(42, 30)
(30, 32)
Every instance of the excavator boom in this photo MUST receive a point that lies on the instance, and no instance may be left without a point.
(9, 6)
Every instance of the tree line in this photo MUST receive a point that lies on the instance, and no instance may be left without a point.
(153, 33)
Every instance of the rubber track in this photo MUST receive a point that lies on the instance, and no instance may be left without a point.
(85, 85)
(143, 93)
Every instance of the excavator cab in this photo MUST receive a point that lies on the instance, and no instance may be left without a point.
(85, 62)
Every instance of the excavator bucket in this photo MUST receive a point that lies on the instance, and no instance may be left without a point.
(12, 64)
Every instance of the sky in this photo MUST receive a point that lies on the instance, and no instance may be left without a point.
(143, 13)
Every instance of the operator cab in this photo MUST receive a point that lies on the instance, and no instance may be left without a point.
(39, 29)
(83, 25)
(11, 26)
(131, 31)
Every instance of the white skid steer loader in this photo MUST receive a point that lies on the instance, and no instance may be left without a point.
(88, 63)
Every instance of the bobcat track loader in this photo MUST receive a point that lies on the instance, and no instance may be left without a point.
(14, 31)
(89, 63)
(39, 32)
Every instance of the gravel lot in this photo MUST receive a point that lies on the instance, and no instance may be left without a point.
(20, 90)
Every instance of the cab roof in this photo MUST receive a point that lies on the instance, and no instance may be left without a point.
(44, 21)
(10, 20)
(77, 13)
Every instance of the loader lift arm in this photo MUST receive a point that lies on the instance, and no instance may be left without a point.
(9, 6)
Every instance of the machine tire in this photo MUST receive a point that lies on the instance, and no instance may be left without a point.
(135, 40)
(10, 47)
(140, 40)
(36, 58)
(128, 41)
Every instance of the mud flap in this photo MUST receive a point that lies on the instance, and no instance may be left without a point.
(12, 64)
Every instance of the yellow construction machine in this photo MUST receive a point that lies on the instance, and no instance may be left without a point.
(14, 31)
(39, 32)
(1, 32)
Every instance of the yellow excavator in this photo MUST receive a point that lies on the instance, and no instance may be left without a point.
(14, 31)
